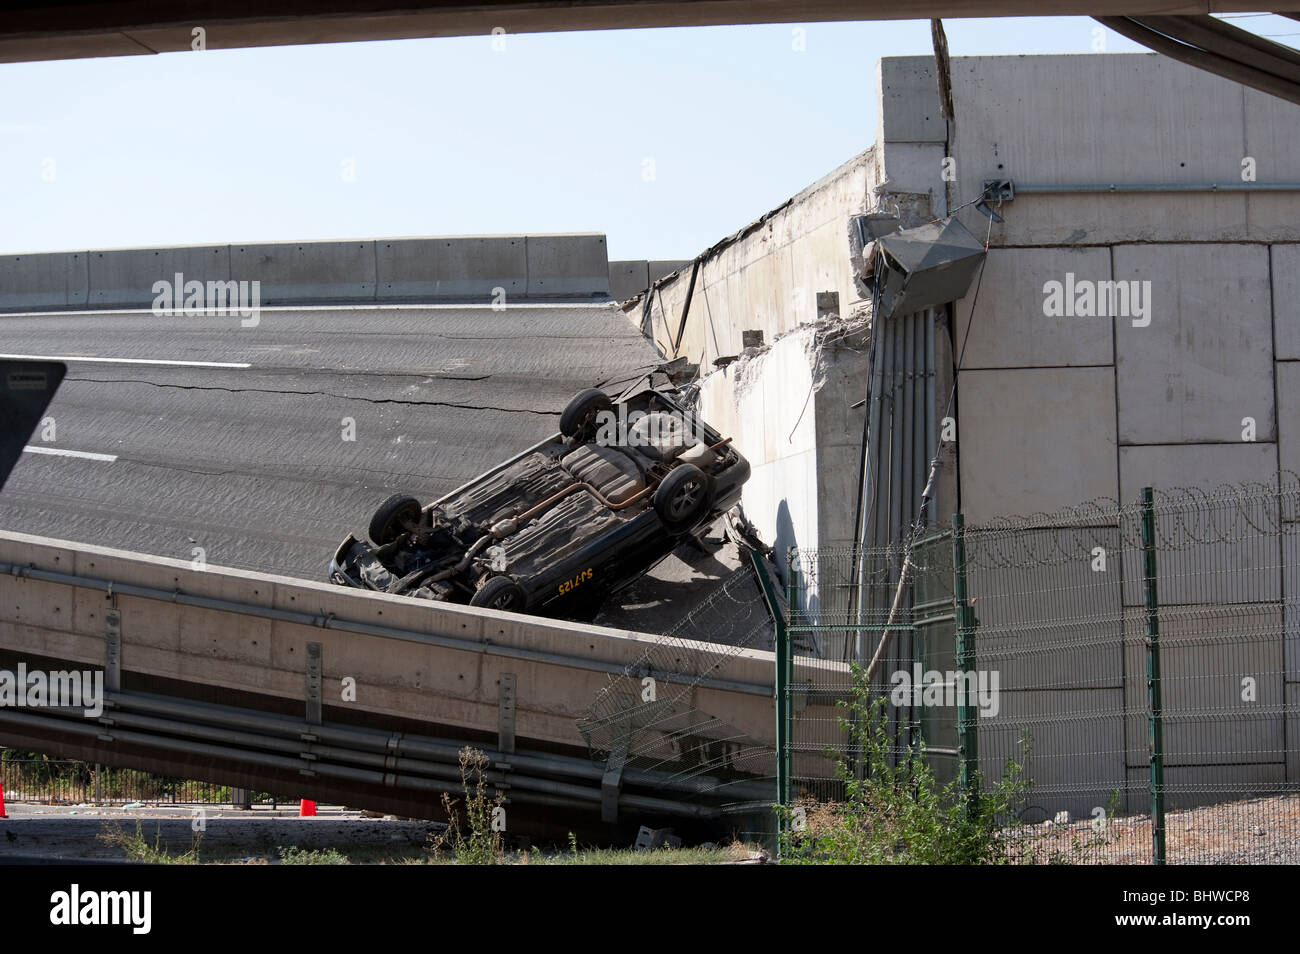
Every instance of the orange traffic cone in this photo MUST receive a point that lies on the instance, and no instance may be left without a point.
(306, 808)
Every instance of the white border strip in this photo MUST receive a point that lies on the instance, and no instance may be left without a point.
(60, 452)
(90, 360)
(359, 306)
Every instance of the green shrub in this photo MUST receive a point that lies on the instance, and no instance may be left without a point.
(897, 812)
(472, 841)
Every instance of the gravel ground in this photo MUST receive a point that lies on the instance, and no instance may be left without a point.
(1261, 831)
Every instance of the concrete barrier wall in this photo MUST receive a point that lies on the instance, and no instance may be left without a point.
(54, 280)
(628, 279)
(456, 268)
(469, 267)
(125, 277)
(445, 670)
(316, 271)
(567, 265)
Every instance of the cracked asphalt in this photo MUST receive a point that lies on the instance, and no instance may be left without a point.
(252, 464)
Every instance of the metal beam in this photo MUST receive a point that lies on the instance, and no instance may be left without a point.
(38, 30)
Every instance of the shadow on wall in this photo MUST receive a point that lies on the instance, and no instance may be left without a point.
(784, 540)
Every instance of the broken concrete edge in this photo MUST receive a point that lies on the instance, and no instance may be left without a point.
(832, 332)
(722, 244)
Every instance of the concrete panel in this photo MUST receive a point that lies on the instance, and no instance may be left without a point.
(1285, 271)
(916, 168)
(1190, 787)
(49, 280)
(1206, 653)
(126, 276)
(1035, 440)
(909, 101)
(820, 263)
(1120, 118)
(568, 266)
(770, 293)
(1205, 360)
(628, 278)
(661, 268)
(1241, 564)
(471, 267)
(307, 271)
(1046, 621)
(1010, 329)
(1075, 763)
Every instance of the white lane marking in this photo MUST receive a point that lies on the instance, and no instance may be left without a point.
(178, 364)
(359, 306)
(60, 452)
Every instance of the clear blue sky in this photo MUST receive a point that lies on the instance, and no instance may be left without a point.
(448, 137)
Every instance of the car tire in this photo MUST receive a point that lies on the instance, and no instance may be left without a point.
(682, 497)
(582, 410)
(502, 593)
(387, 523)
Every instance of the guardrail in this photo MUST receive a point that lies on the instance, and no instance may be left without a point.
(381, 669)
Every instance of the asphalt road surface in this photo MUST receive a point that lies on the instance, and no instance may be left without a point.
(244, 453)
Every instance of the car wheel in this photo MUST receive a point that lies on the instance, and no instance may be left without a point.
(500, 592)
(682, 497)
(389, 521)
(582, 410)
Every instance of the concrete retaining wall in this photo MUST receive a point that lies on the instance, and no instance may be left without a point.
(1057, 410)
(460, 268)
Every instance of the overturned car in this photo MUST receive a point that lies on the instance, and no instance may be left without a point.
(558, 528)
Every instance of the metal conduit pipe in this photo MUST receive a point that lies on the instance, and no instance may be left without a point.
(1143, 187)
(931, 385)
(416, 752)
(364, 629)
(896, 438)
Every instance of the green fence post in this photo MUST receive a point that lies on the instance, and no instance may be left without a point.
(784, 673)
(781, 683)
(967, 734)
(1155, 706)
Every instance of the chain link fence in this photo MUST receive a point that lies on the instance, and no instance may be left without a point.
(70, 782)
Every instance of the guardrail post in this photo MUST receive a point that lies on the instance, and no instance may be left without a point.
(1155, 706)
(967, 733)
(314, 683)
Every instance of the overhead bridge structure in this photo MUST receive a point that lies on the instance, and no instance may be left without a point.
(310, 690)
